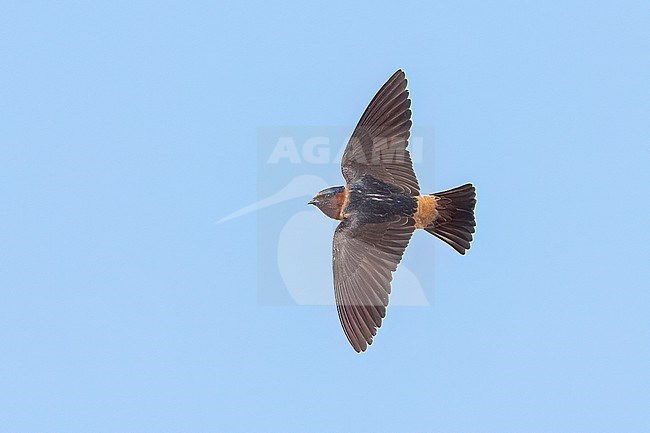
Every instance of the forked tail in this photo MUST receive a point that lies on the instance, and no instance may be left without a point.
(455, 221)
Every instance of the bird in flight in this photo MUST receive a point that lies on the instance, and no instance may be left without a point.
(379, 208)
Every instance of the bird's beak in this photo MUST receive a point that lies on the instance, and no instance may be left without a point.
(312, 201)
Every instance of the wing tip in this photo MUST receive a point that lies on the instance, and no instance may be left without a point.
(398, 76)
(361, 346)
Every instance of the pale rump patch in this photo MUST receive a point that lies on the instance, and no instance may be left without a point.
(426, 212)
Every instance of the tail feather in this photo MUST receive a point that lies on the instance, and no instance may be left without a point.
(455, 222)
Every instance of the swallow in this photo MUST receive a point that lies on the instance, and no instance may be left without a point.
(380, 207)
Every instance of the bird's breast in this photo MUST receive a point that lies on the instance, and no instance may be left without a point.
(342, 200)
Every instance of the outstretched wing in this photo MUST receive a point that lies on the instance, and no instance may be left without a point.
(364, 258)
(378, 143)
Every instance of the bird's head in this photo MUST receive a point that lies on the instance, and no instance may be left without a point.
(330, 201)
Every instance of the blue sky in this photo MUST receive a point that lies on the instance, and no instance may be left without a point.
(129, 128)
